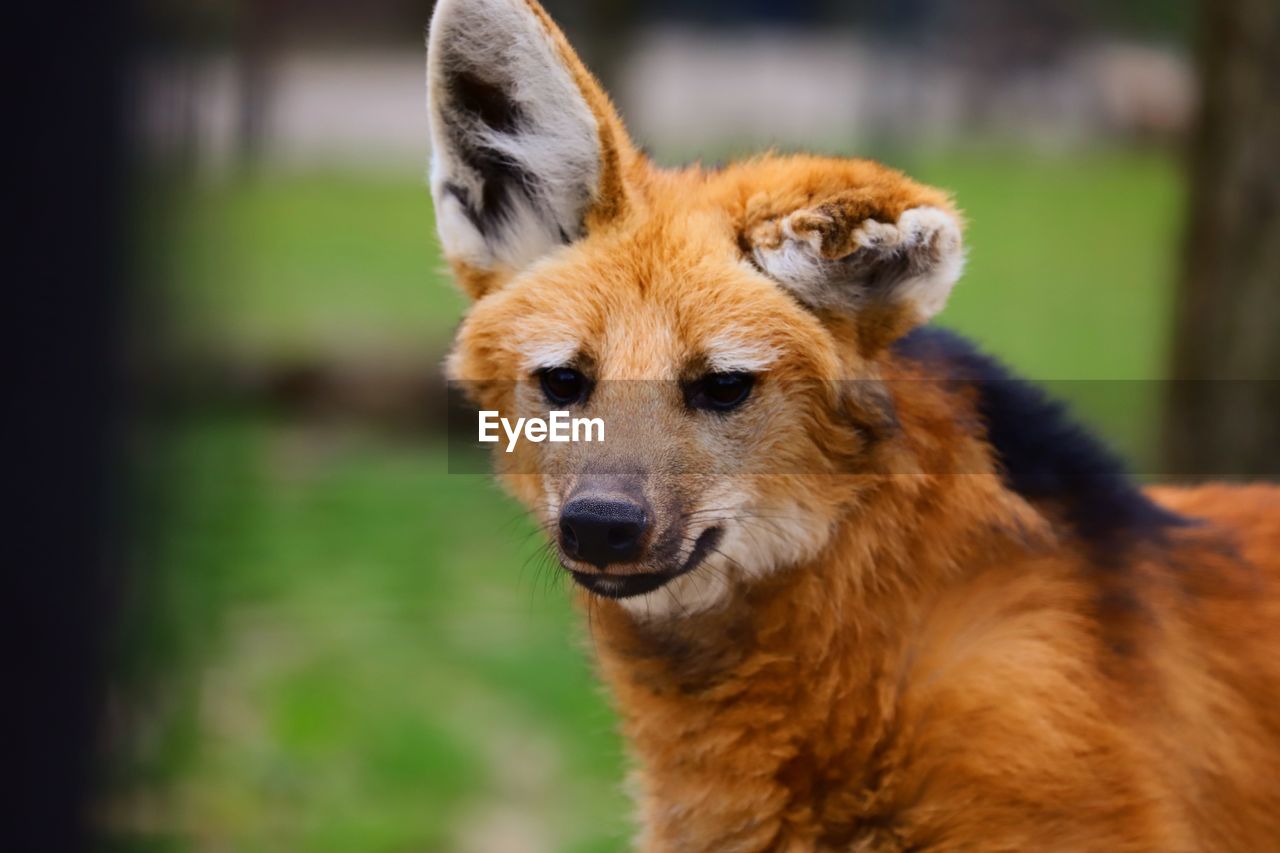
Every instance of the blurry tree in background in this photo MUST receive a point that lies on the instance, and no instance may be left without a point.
(1225, 406)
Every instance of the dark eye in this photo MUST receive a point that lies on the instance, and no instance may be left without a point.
(563, 385)
(719, 392)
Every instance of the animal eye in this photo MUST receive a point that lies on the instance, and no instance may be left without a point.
(719, 392)
(563, 385)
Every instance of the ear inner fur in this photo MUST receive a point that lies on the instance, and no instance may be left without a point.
(891, 274)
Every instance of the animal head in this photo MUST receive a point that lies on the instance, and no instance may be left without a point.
(711, 319)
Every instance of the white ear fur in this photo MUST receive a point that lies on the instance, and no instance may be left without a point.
(516, 158)
(916, 260)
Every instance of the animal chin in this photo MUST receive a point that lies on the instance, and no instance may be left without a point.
(622, 586)
(640, 583)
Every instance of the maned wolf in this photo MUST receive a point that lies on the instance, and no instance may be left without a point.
(853, 587)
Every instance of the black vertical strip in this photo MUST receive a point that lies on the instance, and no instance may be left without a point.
(63, 285)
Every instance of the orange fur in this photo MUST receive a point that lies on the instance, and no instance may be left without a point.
(895, 650)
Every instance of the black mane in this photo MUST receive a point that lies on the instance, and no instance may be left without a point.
(1045, 455)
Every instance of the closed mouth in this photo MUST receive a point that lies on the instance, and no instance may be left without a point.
(639, 583)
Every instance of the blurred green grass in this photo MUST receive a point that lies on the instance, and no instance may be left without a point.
(378, 671)
(339, 648)
(1064, 252)
(1071, 260)
(309, 266)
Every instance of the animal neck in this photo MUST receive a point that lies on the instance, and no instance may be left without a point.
(783, 651)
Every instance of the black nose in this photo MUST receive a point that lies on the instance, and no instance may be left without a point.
(601, 531)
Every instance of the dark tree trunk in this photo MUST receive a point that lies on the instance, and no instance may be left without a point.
(1224, 405)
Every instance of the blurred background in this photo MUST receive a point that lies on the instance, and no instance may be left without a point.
(323, 640)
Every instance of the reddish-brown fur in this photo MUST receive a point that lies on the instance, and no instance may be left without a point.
(929, 660)
(930, 683)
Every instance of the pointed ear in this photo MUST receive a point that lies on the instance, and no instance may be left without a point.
(886, 261)
(527, 151)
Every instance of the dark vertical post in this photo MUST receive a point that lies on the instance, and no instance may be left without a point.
(63, 296)
(1224, 408)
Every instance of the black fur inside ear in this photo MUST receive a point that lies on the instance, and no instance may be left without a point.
(485, 101)
(474, 106)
